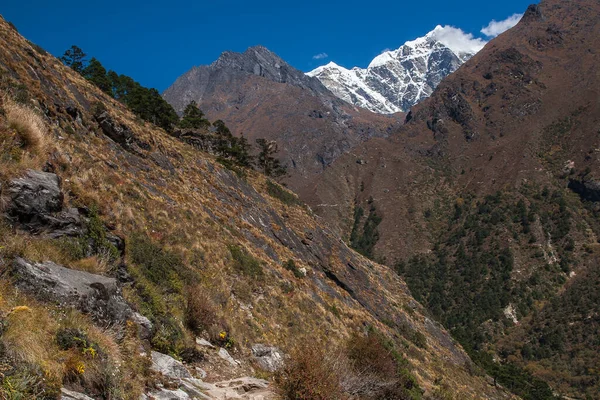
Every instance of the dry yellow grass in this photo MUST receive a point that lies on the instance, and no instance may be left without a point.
(29, 126)
(24, 138)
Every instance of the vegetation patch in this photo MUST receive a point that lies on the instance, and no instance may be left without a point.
(281, 194)
(245, 263)
(466, 282)
(366, 367)
(290, 265)
(364, 240)
(162, 267)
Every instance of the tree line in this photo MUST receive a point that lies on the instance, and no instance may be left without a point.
(148, 104)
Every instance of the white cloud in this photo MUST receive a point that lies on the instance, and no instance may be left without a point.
(495, 28)
(320, 56)
(457, 40)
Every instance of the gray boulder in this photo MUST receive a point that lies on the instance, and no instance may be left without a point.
(268, 358)
(96, 295)
(36, 193)
(35, 204)
(169, 367)
(66, 394)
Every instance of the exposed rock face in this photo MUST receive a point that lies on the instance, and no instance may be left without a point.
(35, 204)
(120, 133)
(94, 294)
(586, 187)
(397, 80)
(257, 60)
(36, 193)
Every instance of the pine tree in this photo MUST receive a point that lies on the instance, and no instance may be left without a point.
(96, 73)
(221, 129)
(269, 165)
(241, 151)
(193, 117)
(75, 59)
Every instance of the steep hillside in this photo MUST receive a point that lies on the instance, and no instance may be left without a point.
(398, 79)
(258, 94)
(487, 198)
(118, 239)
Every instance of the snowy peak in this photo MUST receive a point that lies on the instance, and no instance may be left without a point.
(398, 79)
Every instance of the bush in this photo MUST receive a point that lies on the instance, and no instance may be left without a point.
(168, 337)
(381, 372)
(200, 311)
(311, 374)
(160, 266)
(290, 265)
(283, 195)
(245, 263)
(22, 385)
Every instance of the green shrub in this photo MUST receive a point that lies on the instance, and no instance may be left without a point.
(364, 242)
(245, 263)
(283, 195)
(23, 385)
(290, 265)
(72, 338)
(168, 338)
(160, 266)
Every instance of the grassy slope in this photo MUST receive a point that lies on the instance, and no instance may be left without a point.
(190, 211)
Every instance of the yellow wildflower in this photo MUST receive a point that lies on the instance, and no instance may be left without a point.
(80, 368)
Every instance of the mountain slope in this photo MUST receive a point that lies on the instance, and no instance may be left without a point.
(195, 248)
(486, 197)
(258, 94)
(397, 80)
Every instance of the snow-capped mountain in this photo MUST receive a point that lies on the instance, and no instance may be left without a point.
(396, 80)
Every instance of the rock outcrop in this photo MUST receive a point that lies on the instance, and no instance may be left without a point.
(96, 295)
(35, 204)
(268, 358)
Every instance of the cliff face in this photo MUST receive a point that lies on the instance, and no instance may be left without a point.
(166, 227)
(258, 94)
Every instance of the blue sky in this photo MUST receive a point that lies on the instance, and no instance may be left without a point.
(156, 41)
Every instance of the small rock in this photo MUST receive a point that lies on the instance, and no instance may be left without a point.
(269, 358)
(224, 354)
(70, 395)
(204, 343)
(144, 324)
(201, 373)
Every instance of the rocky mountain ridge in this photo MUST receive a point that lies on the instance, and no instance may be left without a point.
(397, 80)
(258, 94)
